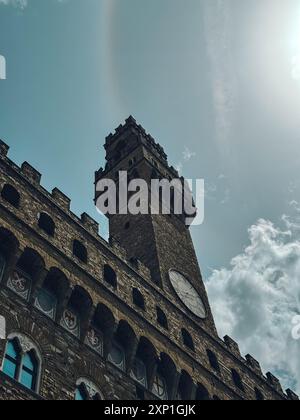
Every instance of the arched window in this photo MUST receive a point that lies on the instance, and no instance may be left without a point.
(160, 387)
(21, 362)
(12, 360)
(87, 391)
(46, 224)
(213, 360)
(81, 394)
(202, 393)
(237, 380)
(29, 371)
(162, 319)
(80, 251)
(139, 372)
(187, 339)
(2, 265)
(138, 299)
(46, 302)
(259, 395)
(117, 356)
(11, 195)
(110, 276)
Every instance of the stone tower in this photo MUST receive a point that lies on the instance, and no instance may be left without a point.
(162, 242)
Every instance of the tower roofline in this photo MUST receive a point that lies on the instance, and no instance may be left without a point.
(131, 124)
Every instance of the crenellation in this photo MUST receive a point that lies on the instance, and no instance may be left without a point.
(90, 223)
(232, 345)
(31, 173)
(254, 364)
(274, 381)
(4, 148)
(292, 395)
(61, 199)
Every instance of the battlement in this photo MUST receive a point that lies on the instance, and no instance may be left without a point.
(131, 126)
(63, 202)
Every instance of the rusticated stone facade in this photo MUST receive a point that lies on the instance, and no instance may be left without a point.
(100, 320)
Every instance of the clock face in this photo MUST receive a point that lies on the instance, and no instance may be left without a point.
(187, 294)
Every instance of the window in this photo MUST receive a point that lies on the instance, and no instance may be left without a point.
(87, 391)
(81, 394)
(138, 299)
(2, 265)
(213, 360)
(110, 276)
(46, 302)
(20, 366)
(12, 360)
(46, 224)
(162, 319)
(237, 380)
(258, 395)
(160, 387)
(79, 251)
(187, 340)
(11, 195)
(139, 372)
(117, 356)
(28, 376)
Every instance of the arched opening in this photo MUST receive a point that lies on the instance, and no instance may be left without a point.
(110, 276)
(29, 266)
(138, 299)
(47, 224)
(185, 387)
(101, 330)
(162, 318)
(259, 395)
(52, 292)
(187, 339)
(213, 361)
(87, 391)
(123, 345)
(146, 353)
(8, 247)
(11, 195)
(22, 363)
(237, 380)
(77, 310)
(80, 251)
(166, 370)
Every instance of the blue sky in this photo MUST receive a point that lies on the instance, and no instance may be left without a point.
(217, 83)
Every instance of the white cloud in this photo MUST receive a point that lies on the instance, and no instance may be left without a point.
(257, 299)
(16, 3)
(20, 4)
